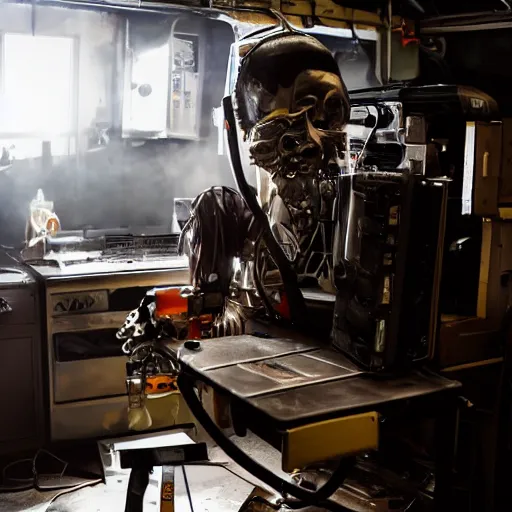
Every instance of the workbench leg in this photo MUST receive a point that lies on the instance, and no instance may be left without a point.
(137, 485)
(445, 443)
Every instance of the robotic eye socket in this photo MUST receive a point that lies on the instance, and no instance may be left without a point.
(307, 101)
(333, 105)
(290, 142)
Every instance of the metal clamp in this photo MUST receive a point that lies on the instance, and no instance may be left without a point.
(135, 387)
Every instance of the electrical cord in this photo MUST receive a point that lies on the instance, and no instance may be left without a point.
(19, 484)
(296, 301)
(187, 487)
(187, 384)
(29, 481)
(12, 464)
(258, 281)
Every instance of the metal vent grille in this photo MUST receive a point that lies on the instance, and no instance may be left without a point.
(147, 244)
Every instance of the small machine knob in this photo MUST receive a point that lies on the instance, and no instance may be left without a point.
(193, 344)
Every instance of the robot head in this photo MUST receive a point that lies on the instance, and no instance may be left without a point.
(290, 73)
(292, 106)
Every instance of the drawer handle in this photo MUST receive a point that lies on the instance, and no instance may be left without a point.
(4, 306)
(485, 165)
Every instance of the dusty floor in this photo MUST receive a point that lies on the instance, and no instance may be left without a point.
(213, 489)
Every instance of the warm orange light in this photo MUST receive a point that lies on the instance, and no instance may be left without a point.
(52, 226)
(206, 319)
(169, 302)
(161, 384)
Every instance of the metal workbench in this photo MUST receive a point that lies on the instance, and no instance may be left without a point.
(275, 385)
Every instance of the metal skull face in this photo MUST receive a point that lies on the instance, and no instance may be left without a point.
(292, 106)
(296, 138)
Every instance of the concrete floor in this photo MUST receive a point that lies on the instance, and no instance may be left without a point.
(213, 489)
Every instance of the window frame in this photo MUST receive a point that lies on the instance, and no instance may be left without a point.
(75, 56)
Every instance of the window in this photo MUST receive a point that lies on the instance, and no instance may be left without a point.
(36, 93)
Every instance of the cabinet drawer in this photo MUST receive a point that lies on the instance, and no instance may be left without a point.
(22, 302)
(89, 379)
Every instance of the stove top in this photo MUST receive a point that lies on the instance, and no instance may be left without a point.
(74, 255)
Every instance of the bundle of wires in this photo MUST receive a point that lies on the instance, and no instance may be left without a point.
(24, 474)
(214, 235)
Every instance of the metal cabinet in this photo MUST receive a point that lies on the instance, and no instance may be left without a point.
(21, 383)
(164, 69)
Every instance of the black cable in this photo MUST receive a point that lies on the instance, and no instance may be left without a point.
(259, 282)
(289, 504)
(292, 505)
(29, 482)
(259, 32)
(270, 31)
(137, 485)
(186, 385)
(187, 487)
(298, 311)
(217, 229)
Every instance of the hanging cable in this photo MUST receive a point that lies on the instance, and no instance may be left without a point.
(187, 487)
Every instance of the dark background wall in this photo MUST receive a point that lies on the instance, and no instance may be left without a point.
(482, 59)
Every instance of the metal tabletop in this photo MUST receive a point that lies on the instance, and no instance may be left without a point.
(294, 382)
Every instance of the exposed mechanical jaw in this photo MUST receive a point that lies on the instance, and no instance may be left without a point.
(296, 149)
(284, 145)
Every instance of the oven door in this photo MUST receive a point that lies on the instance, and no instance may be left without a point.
(88, 364)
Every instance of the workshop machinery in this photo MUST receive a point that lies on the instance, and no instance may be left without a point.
(350, 205)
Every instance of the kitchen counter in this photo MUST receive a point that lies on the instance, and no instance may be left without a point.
(83, 268)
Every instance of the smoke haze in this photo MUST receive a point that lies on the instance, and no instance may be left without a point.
(123, 183)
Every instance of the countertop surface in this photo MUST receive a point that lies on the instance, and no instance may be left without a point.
(13, 274)
(86, 268)
(13, 277)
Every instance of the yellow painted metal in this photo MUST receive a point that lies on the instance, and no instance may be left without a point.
(505, 213)
(328, 439)
(328, 12)
(475, 364)
(485, 267)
